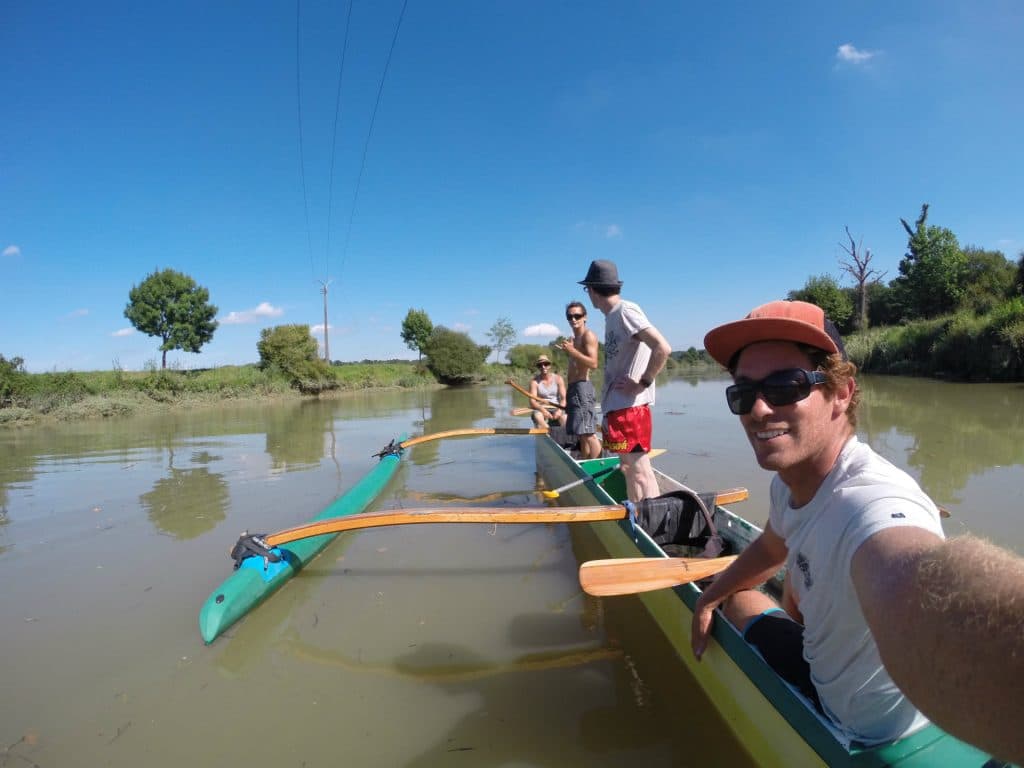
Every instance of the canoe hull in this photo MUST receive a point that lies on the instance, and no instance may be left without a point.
(255, 580)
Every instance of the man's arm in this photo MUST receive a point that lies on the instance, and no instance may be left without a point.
(588, 355)
(660, 350)
(755, 565)
(948, 618)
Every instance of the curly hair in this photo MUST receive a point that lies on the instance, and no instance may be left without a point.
(838, 371)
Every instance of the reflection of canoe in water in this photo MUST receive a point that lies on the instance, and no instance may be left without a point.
(776, 725)
(255, 580)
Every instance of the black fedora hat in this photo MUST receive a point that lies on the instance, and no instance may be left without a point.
(602, 272)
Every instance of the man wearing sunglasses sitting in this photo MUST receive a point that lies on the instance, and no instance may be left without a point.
(869, 575)
(548, 392)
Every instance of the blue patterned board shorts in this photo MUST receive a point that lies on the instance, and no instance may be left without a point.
(580, 403)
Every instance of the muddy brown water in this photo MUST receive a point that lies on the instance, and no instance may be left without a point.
(429, 645)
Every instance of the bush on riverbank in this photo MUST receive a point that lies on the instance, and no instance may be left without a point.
(987, 347)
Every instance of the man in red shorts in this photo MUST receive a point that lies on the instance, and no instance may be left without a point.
(635, 352)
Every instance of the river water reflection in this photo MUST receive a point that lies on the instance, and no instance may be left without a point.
(417, 646)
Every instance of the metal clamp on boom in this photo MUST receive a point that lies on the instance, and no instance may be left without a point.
(253, 545)
(391, 449)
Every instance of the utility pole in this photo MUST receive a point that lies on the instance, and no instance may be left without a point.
(327, 346)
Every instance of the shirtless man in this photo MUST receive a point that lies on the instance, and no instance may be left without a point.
(580, 397)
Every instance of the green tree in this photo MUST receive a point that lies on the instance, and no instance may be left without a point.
(989, 279)
(524, 355)
(931, 275)
(171, 305)
(416, 330)
(292, 350)
(824, 291)
(14, 380)
(882, 306)
(502, 334)
(453, 357)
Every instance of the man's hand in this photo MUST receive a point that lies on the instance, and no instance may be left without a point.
(700, 628)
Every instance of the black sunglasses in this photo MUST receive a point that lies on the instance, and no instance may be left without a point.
(780, 388)
(574, 317)
(543, 365)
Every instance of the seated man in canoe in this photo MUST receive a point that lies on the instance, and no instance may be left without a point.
(548, 392)
(881, 618)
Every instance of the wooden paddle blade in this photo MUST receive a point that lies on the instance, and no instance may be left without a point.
(629, 575)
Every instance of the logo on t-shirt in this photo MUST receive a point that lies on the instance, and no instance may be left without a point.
(805, 569)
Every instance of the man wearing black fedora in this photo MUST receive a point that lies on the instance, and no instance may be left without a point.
(635, 352)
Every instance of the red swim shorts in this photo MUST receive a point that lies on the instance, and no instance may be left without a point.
(628, 430)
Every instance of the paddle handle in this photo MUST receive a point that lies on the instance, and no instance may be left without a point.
(529, 515)
(476, 431)
(629, 575)
(519, 389)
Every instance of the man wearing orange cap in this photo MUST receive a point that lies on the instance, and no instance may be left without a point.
(865, 556)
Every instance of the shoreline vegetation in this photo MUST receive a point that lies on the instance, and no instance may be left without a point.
(28, 399)
(961, 347)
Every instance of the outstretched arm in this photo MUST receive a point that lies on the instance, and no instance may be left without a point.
(948, 618)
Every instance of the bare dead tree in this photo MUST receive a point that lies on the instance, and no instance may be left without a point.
(861, 273)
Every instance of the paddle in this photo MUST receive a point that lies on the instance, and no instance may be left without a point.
(629, 575)
(522, 411)
(519, 389)
(554, 493)
(461, 432)
(527, 516)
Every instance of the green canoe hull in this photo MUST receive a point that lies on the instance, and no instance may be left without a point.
(255, 581)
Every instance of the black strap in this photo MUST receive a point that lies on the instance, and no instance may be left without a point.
(253, 545)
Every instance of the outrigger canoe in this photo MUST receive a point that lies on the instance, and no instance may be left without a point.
(261, 570)
(256, 578)
(773, 722)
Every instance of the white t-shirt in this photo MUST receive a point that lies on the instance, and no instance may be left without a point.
(862, 495)
(624, 354)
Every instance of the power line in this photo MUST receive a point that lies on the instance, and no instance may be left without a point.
(302, 161)
(334, 133)
(369, 134)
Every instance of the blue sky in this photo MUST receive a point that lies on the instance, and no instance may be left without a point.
(714, 151)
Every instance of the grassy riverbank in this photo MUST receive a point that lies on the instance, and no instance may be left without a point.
(29, 398)
(962, 346)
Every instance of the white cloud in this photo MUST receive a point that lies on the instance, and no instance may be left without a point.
(472, 312)
(264, 309)
(461, 327)
(124, 332)
(77, 313)
(318, 329)
(12, 250)
(851, 55)
(613, 232)
(542, 329)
